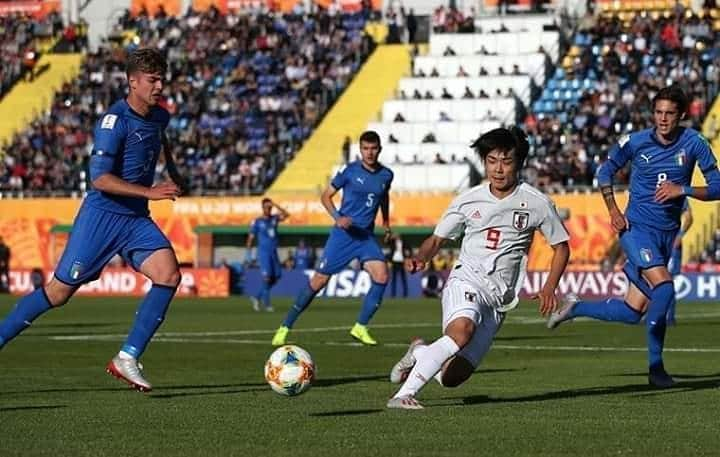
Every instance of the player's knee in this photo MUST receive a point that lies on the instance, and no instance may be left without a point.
(461, 331)
(318, 281)
(170, 278)
(456, 372)
(380, 275)
(57, 293)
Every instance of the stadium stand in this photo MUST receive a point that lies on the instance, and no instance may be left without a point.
(245, 91)
(468, 83)
(603, 86)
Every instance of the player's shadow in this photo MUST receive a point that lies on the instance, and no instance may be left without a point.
(63, 390)
(74, 324)
(330, 382)
(677, 376)
(27, 408)
(681, 386)
(529, 337)
(352, 412)
(204, 390)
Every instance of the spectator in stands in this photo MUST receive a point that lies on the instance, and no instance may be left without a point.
(411, 25)
(438, 159)
(417, 95)
(444, 117)
(446, 95)
(468, 93)
(346, 150)
(398, 253)
(461, 73)
(434, 73)
(4, 267)
(246, 92)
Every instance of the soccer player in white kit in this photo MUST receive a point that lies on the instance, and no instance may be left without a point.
(497, 221)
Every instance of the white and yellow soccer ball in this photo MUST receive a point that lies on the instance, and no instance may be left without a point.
(290, 370)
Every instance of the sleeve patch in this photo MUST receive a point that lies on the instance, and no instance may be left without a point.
(622, 141)
(108, 121)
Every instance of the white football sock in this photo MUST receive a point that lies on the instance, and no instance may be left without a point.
(429, 362)
(124, 355)
(417, 353)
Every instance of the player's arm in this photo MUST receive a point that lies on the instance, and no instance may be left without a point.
(617, 159)
(561, 255)
(428, 249)
(450, 227)
(708, 166)
(326, 200)
(172, 170)
(557, 236)
(249, 243)
(385, 211)
(110, 135)
(686, 221)
(282, 212)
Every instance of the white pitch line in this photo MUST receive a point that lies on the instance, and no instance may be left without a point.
(511, 347)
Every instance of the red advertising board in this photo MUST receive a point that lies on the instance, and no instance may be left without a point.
(196, 282)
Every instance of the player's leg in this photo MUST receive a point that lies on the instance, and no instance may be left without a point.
(674, 268)
(663, 295)
(461, 312)
(32, 306)
(149, 252)
(629, 310)
(262, 298)
(336, 255)
(373, 260)
(459, 368)
(274, 278)
(302, 301)
(89, 248)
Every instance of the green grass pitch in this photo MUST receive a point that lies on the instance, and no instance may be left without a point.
(580, 390)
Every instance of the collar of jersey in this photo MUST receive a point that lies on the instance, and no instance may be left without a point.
(654, 137)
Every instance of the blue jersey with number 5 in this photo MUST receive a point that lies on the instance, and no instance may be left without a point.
(652, 163)
(363, 190)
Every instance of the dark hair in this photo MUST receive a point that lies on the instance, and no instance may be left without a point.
(370, 136)
(146, 60)
(265, 200)
(506, 140)
(673, 94)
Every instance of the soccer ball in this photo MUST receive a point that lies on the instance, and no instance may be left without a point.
(290, 370)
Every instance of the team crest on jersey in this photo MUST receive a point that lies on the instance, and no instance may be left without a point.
(681, 158)
(76, 270)
(470, 296)
(476, 214)
(520, 220)
(646, 255)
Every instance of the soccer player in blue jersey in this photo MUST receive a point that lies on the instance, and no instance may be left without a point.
(114, 217)
(675, 262)
(365, 184)
(265, 230)
(662, 160)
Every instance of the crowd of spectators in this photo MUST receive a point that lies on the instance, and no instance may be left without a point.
(626, 62)
(244, 90)
(18, 48)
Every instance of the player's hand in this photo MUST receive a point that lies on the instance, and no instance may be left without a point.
(667, 191)
(678, 242)
(618, 221)
(344, 222)
(388, 235)
(548, 301)
(166, 190)
(413, 265)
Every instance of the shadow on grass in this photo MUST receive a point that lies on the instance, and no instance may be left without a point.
(208, 389)
(330, 382)
(681, 386)
(352, 412)
(26, 408)
(64, 390)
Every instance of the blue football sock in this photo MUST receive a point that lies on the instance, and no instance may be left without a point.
(663, 295)
(26, 310)
(612, 309)
(148, 318)
(263, 295)
(371, 303)
(670, 315)
(302, 301)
